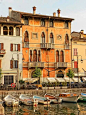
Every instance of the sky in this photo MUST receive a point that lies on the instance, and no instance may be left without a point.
(75, 9)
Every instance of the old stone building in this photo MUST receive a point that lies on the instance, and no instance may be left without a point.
(78, 46)
(45, 43)
(10, 48)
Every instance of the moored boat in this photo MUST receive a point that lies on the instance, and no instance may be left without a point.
(53, 99)
(11, 101)
(69, 97)
(27, 100)
(82, 97)
(42, 100)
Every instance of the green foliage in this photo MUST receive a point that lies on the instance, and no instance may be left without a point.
(37, 72)
(0, 74)
(64, 84)
(21, 81)
(70, 73)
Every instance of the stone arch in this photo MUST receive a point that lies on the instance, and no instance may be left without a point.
(60, 73)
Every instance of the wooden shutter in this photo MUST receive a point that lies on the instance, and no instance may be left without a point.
(57, 56)
(75, 64)
(11, 47)
(11, 64)
(1, 46)
(18, 47)
(75, 51)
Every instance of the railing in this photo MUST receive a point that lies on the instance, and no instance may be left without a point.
(61, 65)
(25, 64)
(2, 51)
(66, 46)
(34, 64)
(75, 70)
(26, 44)
(47, 45)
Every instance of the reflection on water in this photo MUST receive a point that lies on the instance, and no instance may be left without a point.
(54, 109)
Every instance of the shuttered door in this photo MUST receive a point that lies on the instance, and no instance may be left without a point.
(75, 64)
(18, 47)
(11, 47)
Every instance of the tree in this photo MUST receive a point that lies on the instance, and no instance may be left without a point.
(0, 74)
(70, 74)
(37, 72)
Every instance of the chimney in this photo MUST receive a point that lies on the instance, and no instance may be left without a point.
(34, 10)
(8, 19)
(10, 10)
(54, 14)
(81, 33)
(58, 11)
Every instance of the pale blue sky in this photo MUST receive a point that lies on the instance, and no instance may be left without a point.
(69, 8)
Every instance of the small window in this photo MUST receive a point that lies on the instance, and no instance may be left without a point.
(51, 23)
(75, 51)
(42, 22)
(15, 64)
(5, 30)
(26, 21)
(14, 47)
(17, 31)
(66, 24)
(10, 30)
(34, 35)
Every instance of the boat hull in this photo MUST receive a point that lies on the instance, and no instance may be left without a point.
(72, 99)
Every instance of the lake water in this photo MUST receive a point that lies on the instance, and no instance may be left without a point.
(53, 109)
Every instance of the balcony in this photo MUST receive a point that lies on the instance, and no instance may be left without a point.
(34, 64)
(2, 52)
(25, 44)
(25, 64)
(61, 65)
(47, 45)
(66, 47)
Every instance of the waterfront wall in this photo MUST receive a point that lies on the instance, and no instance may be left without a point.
(17, 93)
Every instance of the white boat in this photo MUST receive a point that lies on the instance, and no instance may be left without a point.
(82, 97)
(27, 100)
(42, 100)
(68, 97)
(11, 101)
(53, 99)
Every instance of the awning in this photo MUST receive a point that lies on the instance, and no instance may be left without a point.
(60, 80)
(68, 80)
(76, 79)
(51, 80)
(32, 80)
(84, 78)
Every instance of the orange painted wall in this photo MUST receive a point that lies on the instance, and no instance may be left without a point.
(58, 29)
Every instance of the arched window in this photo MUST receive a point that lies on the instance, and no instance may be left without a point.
(66, 39)
(60, 74)
(26, 37)
(17, 31)
(5, 30)
(39, 58)
(43, 39)
(10, 30)
(61, 56)
(30, 55)
(51, 38)
(35, 56)
(57, 56)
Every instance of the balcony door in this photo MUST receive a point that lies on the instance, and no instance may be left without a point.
(43, 39)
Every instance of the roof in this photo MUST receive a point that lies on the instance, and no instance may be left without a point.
(8, 20)
(76, 36)
(42, 16)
